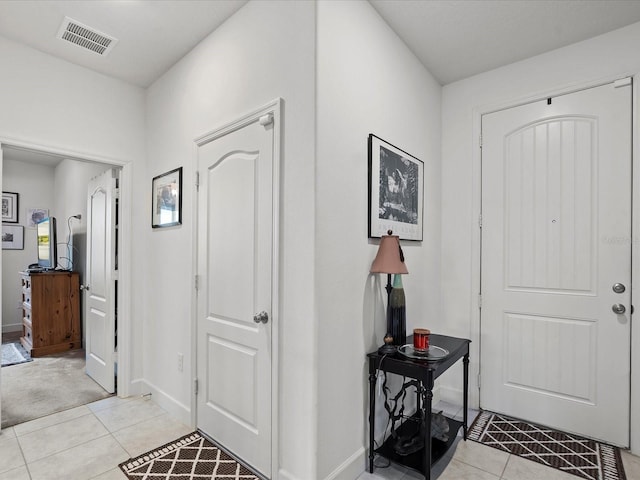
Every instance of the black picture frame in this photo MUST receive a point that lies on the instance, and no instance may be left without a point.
(10, 207)
(396, 191)
(166, 199)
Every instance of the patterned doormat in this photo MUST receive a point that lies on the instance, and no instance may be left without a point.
(192, 457)
(572, 454)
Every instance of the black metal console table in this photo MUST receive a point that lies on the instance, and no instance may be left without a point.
(424, 371)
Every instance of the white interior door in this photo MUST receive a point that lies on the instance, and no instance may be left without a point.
(556, 240)
(235, 305)
(100, 281)
(1, 267)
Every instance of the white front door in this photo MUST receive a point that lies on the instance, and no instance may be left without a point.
(556, 257)
(236, 266)
(100, 282)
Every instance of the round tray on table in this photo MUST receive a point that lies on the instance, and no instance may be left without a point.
(433, 352)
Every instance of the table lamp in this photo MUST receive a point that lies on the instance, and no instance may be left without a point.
(390, 260)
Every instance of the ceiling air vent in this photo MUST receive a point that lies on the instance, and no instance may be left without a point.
(86, 37)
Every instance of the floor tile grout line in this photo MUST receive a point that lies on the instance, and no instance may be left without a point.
(47, 426)
(65, 450)
(24, 459)
(504, 469)
(132, 424)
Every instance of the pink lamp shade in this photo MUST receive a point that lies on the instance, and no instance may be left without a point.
(389, 258)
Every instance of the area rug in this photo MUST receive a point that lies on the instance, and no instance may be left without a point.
(572, 454)
(47, 385)
(191, 457)
(14, 354)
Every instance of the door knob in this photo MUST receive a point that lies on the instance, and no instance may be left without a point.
(618, 288)
(262, 317)
(85, 287)
(618, 308)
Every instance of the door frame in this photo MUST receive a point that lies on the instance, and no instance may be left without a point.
(273, 108)
(476, 234)
(123, 385)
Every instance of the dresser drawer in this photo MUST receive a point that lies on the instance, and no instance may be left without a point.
(28, 335)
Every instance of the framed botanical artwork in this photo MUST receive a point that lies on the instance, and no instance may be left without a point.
(9, 207)
(396, 191)
(166, 201)
(35, 215)
(12, 237)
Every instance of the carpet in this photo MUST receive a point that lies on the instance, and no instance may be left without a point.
(191, 457)
(47, 385)
(570, 453)
(14, 354)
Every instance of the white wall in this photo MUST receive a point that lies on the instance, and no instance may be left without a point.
(58, 106)
(71, 182)
(35, 186)
(606, 57)
(264, 51)
(368, 82)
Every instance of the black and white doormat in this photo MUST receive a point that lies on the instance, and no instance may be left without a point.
(572, 454)
(192, 457)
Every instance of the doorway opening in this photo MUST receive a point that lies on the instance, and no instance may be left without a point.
(54, 185)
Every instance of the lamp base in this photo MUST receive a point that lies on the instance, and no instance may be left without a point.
(387, 349)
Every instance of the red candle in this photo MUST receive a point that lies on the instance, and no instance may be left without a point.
(421, 339)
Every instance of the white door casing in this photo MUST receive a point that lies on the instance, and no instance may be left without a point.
(556, 229)
(100, 283)
(237, 286)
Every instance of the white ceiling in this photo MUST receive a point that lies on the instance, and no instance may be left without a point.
(18, 154)
(454, 39)
(152, 35)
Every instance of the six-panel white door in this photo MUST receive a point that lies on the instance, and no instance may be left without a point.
(235, 268)
(556, 230)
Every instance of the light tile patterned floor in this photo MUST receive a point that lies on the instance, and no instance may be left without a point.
(473, 461)
(88, 443)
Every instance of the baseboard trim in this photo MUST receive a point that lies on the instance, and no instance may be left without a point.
(177, 409)
(351, 468)
(284, 475)
(14, 327)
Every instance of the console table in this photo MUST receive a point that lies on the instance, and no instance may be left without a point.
(424, 372)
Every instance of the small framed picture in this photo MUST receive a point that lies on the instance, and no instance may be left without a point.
(396, 191)
(9, 207)
(35, 215)
(12, 237)
(166, 201)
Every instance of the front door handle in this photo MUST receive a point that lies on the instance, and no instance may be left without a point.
(618, 308)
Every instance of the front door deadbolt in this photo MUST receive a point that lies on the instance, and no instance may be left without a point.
(618, 288)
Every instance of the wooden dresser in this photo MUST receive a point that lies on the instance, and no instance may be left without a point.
(51, 312)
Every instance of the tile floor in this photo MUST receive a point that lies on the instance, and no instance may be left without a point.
(88, 443)
(473, 461)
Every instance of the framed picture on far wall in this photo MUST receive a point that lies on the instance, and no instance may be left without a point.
(166, 199)
(12, 237)
(396, 191)
(9, 207)
(35, 215)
